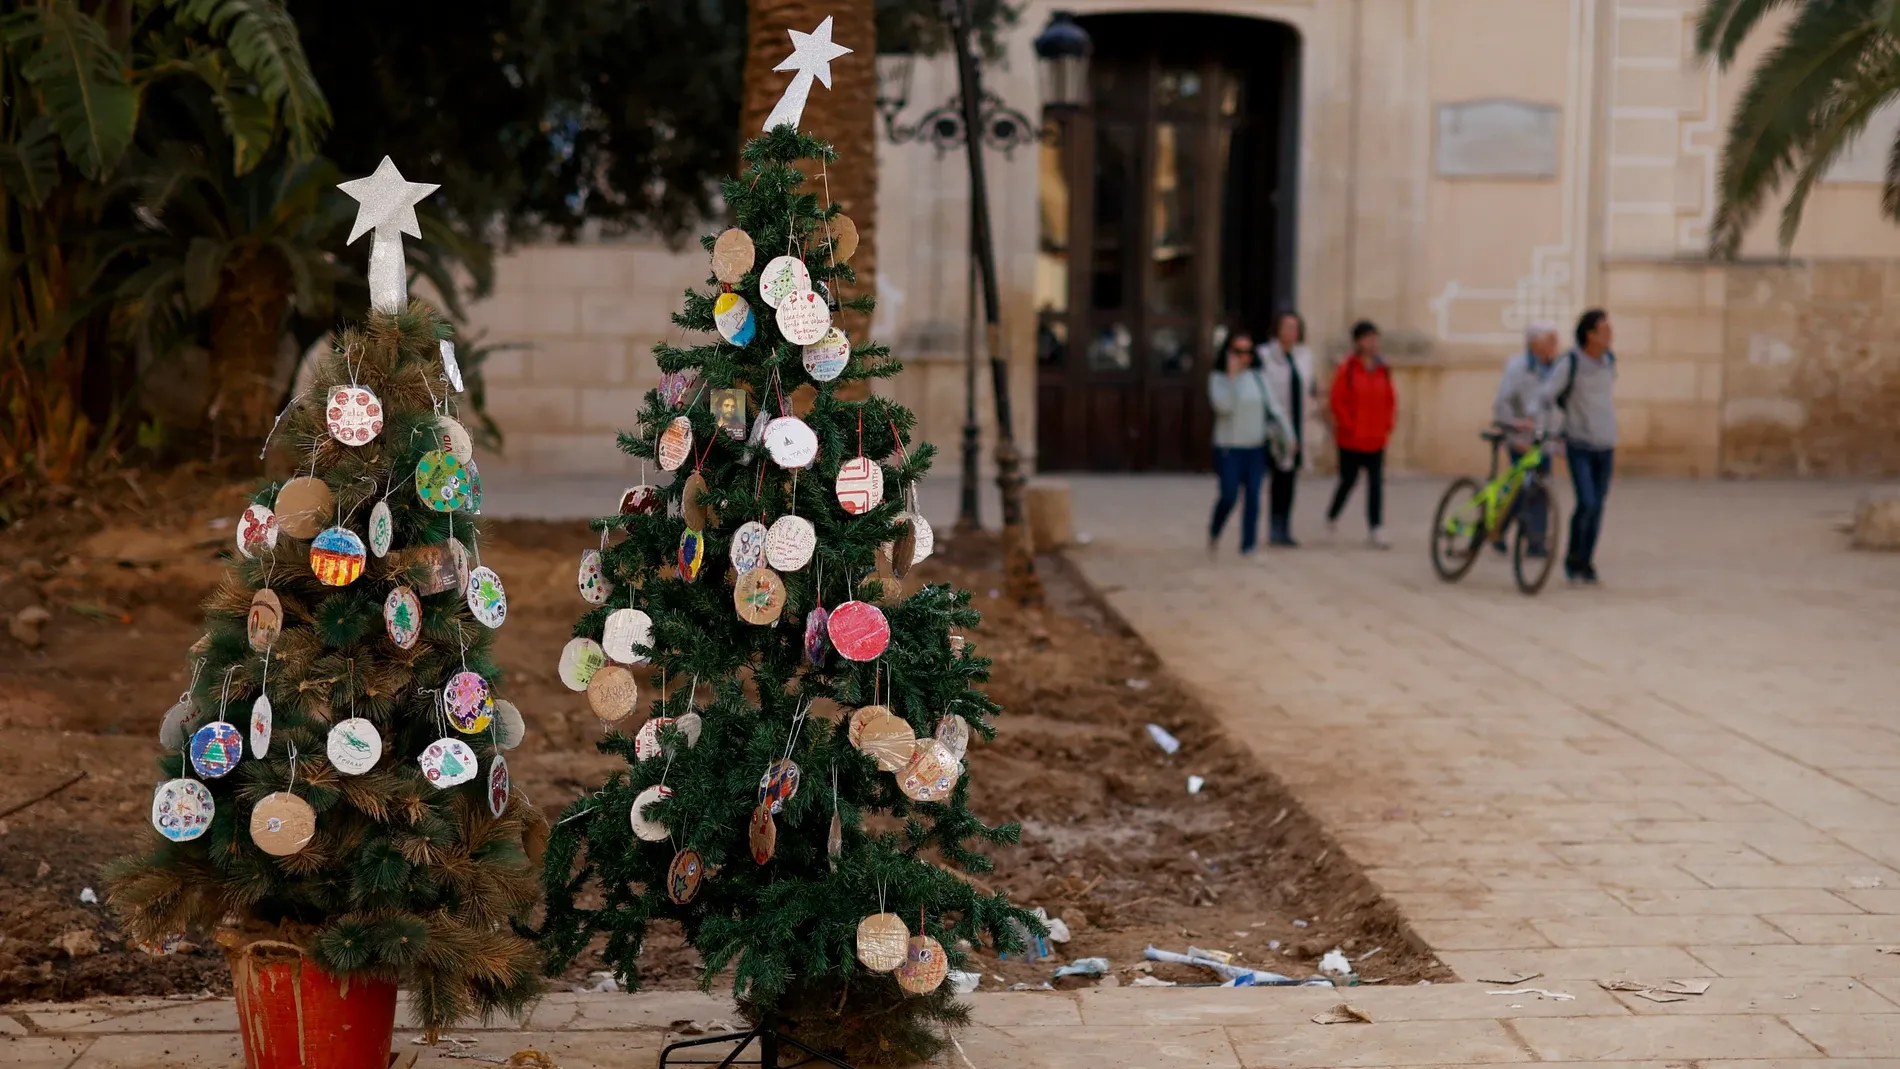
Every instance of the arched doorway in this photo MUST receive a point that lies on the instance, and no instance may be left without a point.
(1167, 213)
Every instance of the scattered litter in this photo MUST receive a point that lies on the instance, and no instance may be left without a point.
(603, 983)
(1195, 783)
(1622, 985)
(698, 1028)
(1659, 996)
(1374, 979)
(1299, 924)
(1058, 930)
(1151, 981)
(1687, 987)
(25, 626)
(1168, 743)
(1044, 986)
(1670, 991)
(1510, 979)
(1887, 950)
(1139, 684)
(1344, 1013)
(1280, 816)
(1273, 944)
(1222, 956)
(1864, 883)
(88, 896)
(1368, 953)
(1335, 964)
(964, 982)
(1084, 967)
(1558, 996)
(1236, 975)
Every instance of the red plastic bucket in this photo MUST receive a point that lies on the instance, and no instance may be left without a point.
(293, 1015)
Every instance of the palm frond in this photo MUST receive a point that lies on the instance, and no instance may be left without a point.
(80, 78)
(1723, 24)
(29, 167)
(263, 41)
(1841, 121)
(1890, 194)
(204, 270)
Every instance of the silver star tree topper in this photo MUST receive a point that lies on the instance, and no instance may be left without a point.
(386, 204)
(811, 57)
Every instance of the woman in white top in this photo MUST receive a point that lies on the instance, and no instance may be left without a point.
(1288, 366)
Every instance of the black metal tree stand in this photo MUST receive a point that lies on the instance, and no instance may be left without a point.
(770, 1042)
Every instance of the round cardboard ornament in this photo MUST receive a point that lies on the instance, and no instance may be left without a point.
(855, 724)
(692, 501)
(790, 542)
(593, 579)
(441, 482)
(759, 596)
(266, 620)
(402, 617)
(448, 762)
(926, 537)
(858, 631)
(954, 732)
(171, 729)
(860, 485)
(382, 529)
(453, 438)
(182, 809)
(732, 256)
(432, 568)
(683, 876)
(624, 630)
(925, 966)
(844, 238)
(256, 530)
(762, 835)
(642, 500)
(303, 504)
(887, 739)
(465, 699)
(646, 741)
(487, 601)
(803, 317)
(612, 693)
(790, 442)
(216, 749)
(748, 546)
(732, 314)
(826, 358)
(676, 443)
(883, 942)
(931, 773)
(901, 553)
(675, 385)
(648, 829)
(283, 824)
(689, 725)
(692, 554)
(354, 415)
(784, 276)
(337, 556)
(778, 785)
(499, 785)
(354, 746)
(510, 726)
(815, 629)
(580, 659)
(262, 717)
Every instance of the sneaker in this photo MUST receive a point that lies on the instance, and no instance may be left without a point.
(1376, 539)
(1501, 546)
(1286, 542)
(1589, 577)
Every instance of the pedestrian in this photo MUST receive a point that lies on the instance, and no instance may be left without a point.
(1365, 409)
(1289, 368)
(1580, 388)
(1243, 421)
(1517, 409)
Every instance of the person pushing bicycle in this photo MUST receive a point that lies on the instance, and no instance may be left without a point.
(1520, 405)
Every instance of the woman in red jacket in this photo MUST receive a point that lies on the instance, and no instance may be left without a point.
(1364, 411)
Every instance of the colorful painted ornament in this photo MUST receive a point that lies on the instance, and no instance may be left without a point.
(487, 601)
(465, 698)
(265, 621)
(283, 824)
(815, 643)
(954, 732)
(354, 415)
(216, 749)
(642, 500)
(882, 942)
(354, 746)
(182, 809)
(676, 443)
(804, 317)
(337, 557)
(645, 827)
(858, 631)
(382, 529)
(624, 631)
(732, 256)
(256, 530)
(825, 359)
(402, 617)
(925, 966)
(580, 659)
(790, 542)
(612, 693)
(778, 785)
(748, 546)
(303, 504)
(762, 835)
(441, 482)
(675, 385)
(931, 773)
(693, 502)
(790, 442)
(262, 717)
(692, 554)
(499, 785)
(783, 277)
(683, 876)
(732, 314)
(472, 496)
(595, 588)
(510, 726)
(646, 741)
(453, 438)
(759, 596)
(860, 485)
(448, 762)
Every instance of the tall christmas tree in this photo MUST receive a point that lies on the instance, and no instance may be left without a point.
(818, 857)
(365, 817)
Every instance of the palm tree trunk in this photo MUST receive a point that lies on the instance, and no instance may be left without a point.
(247, 318)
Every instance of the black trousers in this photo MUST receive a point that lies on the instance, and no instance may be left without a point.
(1280, 487)
(1350, 463)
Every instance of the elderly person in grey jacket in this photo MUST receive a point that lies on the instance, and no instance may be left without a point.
(1245, 415)
(1518, 408)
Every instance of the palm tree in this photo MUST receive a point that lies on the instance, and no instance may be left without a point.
(1837, 63)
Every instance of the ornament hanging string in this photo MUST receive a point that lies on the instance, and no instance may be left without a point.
(288, 405)
(224, 692)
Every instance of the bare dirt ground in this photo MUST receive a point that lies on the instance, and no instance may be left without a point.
(1113, 843)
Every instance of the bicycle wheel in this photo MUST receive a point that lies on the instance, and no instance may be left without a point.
(1533, 571)
(1457, 530)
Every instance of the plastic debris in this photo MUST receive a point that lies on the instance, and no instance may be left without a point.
(964, 982)
(1168, 743)
(1368, 954)
(1084, 967)
(1059, 930)
(1344, 1013)
(1299, 924)
(89, 896)
(1235, 974)
(1334, 963)
(1044, 986)
(1138, 684)
(1273, 944)
(1510, 979)
(1151, 981)
(1558, 996)
(603, 983)
(1864, 883)
(1671, 991)
(1195, 783)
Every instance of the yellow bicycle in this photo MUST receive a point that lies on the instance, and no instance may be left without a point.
(1470, 515)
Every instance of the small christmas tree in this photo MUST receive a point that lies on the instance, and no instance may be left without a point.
(795, 849)
(368, 818)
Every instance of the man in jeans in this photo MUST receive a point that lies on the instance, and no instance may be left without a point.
(1517, 408)
(1580, 387)
(1365, 408)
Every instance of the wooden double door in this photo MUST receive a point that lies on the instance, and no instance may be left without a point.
(1166, 221)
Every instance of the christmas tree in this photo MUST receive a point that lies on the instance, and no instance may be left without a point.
(368, 818)
(818, 857)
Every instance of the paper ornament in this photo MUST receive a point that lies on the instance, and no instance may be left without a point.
(458, 557)
(386, 207)
(783, 277)
(811, 58)
(900, 553)
(433, 569)
(262, 718)
(883, 942)
(858, 631)
(925, 966)
(440, 481)
(402, 617)
(448, 762)
(676, 443)
(472, 494)
(593, 578)
(692, 502)
(580, 659)
(683, 876)
(256, 530)
(926, 537)
(790, 542)
(762, 835)
(171, 728)
(646, 741)
(815, 636)
(625, 630)
(728, 407)
(354, 746)
(612, 693)
(732, 256)
(790, 442)
(510, 726)
(778, 785)
(487, 601)
(689, 725)
(803, 318)
(354, 415)
(644, 826)
(759, 596)
(855, 724)
(748, 546)
(732, 314)
(216, 749)
(453, 438)
(825, 359)
(886, 738)
(304, 505)
(954, 732)
(382, 529)
(834, 840)
(860, 485)
(844, 238)
(931, 773)
(182, 809)
(692, 554)
(265, 621)
(642, 500)
(675, 385)
(283, 824)
(465, 699)
(499, 785)
(337, 556)
(451, 368)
